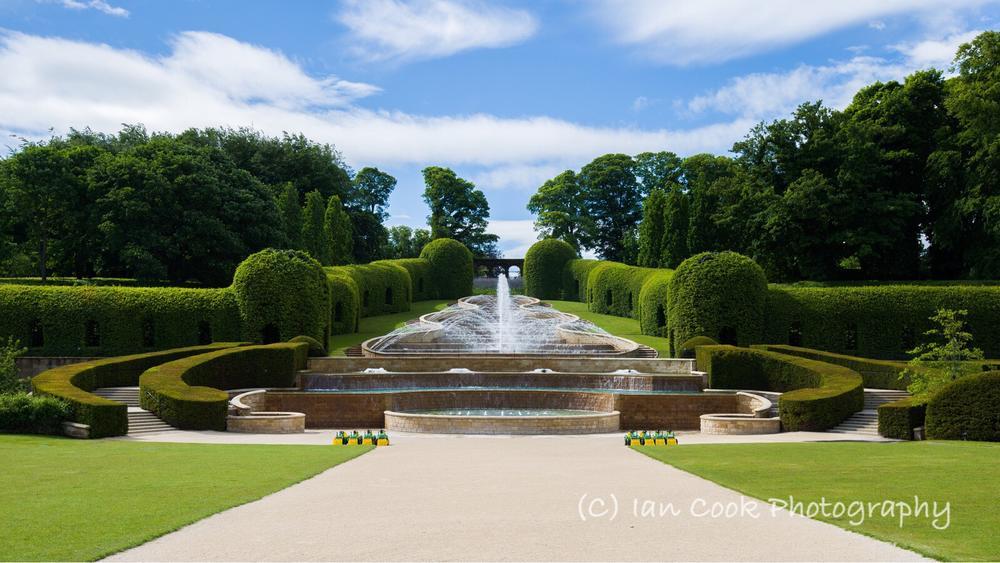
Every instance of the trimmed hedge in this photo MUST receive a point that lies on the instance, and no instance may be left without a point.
(898, 418)
(107, 321)
(877, 374)
(653, 303)
(383, 287)
(345, 301)
(187, 393)
(878, 321)
(281, 294)
(718, 294)
(420, 277)
(816, 395)
(614, 288)
(688, 347)
(22, 413)
(575, 278)
(543, 268)
(73, 383)
(966, 409)
(451, 268)
(316, 350)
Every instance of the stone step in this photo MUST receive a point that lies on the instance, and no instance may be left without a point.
(143, 422)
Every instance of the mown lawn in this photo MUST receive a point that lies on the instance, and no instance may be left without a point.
(619, 326)
(964, 474)
(370, 327)
(76, 500)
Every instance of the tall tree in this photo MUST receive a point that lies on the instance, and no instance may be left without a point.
(458, 210)
(562, 212)
(613, 199)
(314, 239)
(651, 230)
(405, 242)
(370, 191)
(339, 232)
(657, 169)
(370, 236)
(291, 214)
(674, 248)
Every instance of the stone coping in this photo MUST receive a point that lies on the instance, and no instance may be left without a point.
(267, 422)
(596, 423)
(738, 424)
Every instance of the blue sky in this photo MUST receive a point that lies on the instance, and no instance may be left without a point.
(506, 93)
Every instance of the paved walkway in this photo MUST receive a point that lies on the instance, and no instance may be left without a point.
(505, 498)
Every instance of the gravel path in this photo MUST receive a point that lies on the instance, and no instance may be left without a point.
(507, 498)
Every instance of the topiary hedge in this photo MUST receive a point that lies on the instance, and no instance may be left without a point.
(877, 374)
(383, 287)
(420, 277)
(653, 303)
(451, 268)
(898, 418)
(104, 321)
(877, 321)
(544, 266)
(73, 383)
(575, 277)
(966, 409)
(281, 294)
(22, 413)
(816, 395)
(688, 347)
(345, 301)
(316, 350)
(718, 294)
(187, 393)
(614, 288)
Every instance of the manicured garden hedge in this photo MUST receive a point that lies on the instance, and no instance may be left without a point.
(21, 413)
(420, 277)
(187, 393)
(544, 264)
(451, 268)
(721, 295)
(878, 321)
(575, 278)
(653, 303)
(898, 418)
(383, 287)
(615, 288)
(877, 374)
(281, 294)
(966, 409)
(105, 321)
(73, 383)
(815, 395)
(345, 301)
(316, 348)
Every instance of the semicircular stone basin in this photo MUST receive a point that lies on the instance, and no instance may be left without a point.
(502, 421)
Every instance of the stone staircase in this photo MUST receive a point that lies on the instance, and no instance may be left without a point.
(646, 352)
(140, 421)
(865, 422)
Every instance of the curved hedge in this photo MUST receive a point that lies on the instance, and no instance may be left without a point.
(187, 393)
(73, 383)
(420, 277)
(878, 321)
(281, 294)
(575, 277)
(688, 347)
(451, 268)
(877, 374)
(815, 395)
(718, 294)
(383, 287)
(345, 301)
(966, 409)
(898, 418)
(316, 350)
(104, 321)
(614, 288)
(543, 268)
(653, 303)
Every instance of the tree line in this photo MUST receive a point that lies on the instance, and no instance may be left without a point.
(190, 207)
(903, 183)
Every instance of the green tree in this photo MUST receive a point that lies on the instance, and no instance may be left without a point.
(651, 229)
(338, 231)
(613, 199)
(405, 242)
(370, 191)
(10, 381)
(314, 239)
(948, 355)
(370, 236)
(291, 215)
(458, 211)
(674, 248)
(657, 169)
(562, 212)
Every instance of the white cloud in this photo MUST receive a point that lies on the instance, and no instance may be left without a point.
(682, 32)
(422, 29)
(99, 5)
(522, 177)
(937, 53)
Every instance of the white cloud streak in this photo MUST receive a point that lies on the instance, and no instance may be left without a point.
(424, 29)
(99, 5)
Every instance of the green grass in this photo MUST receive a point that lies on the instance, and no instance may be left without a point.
(962, 473)
(619, 326)
(84, 499)
(370, 327)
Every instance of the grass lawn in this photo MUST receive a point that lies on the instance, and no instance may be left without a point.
(619, 326)
(370, 327)
(962, 473)
(74, 500)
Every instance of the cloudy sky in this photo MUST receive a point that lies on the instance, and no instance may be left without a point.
(507, 93)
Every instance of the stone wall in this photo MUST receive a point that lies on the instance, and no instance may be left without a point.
(438, 424)
(500, 363)
(30, 366)
(416, 380)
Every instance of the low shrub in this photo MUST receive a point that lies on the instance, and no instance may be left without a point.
(688, 347)
(73, 383)
(544, 264)
(898, 418)
(26, 414)
(451, 268)
(107, 321)
(316, 350)
(187, 393)
(718, 294)
(815, 395)
(966, 409)
(653, 303)
(877, 374)
(280, 294)
(10, 380)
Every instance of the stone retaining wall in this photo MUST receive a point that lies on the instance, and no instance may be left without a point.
(444, 424)
(501, 363)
